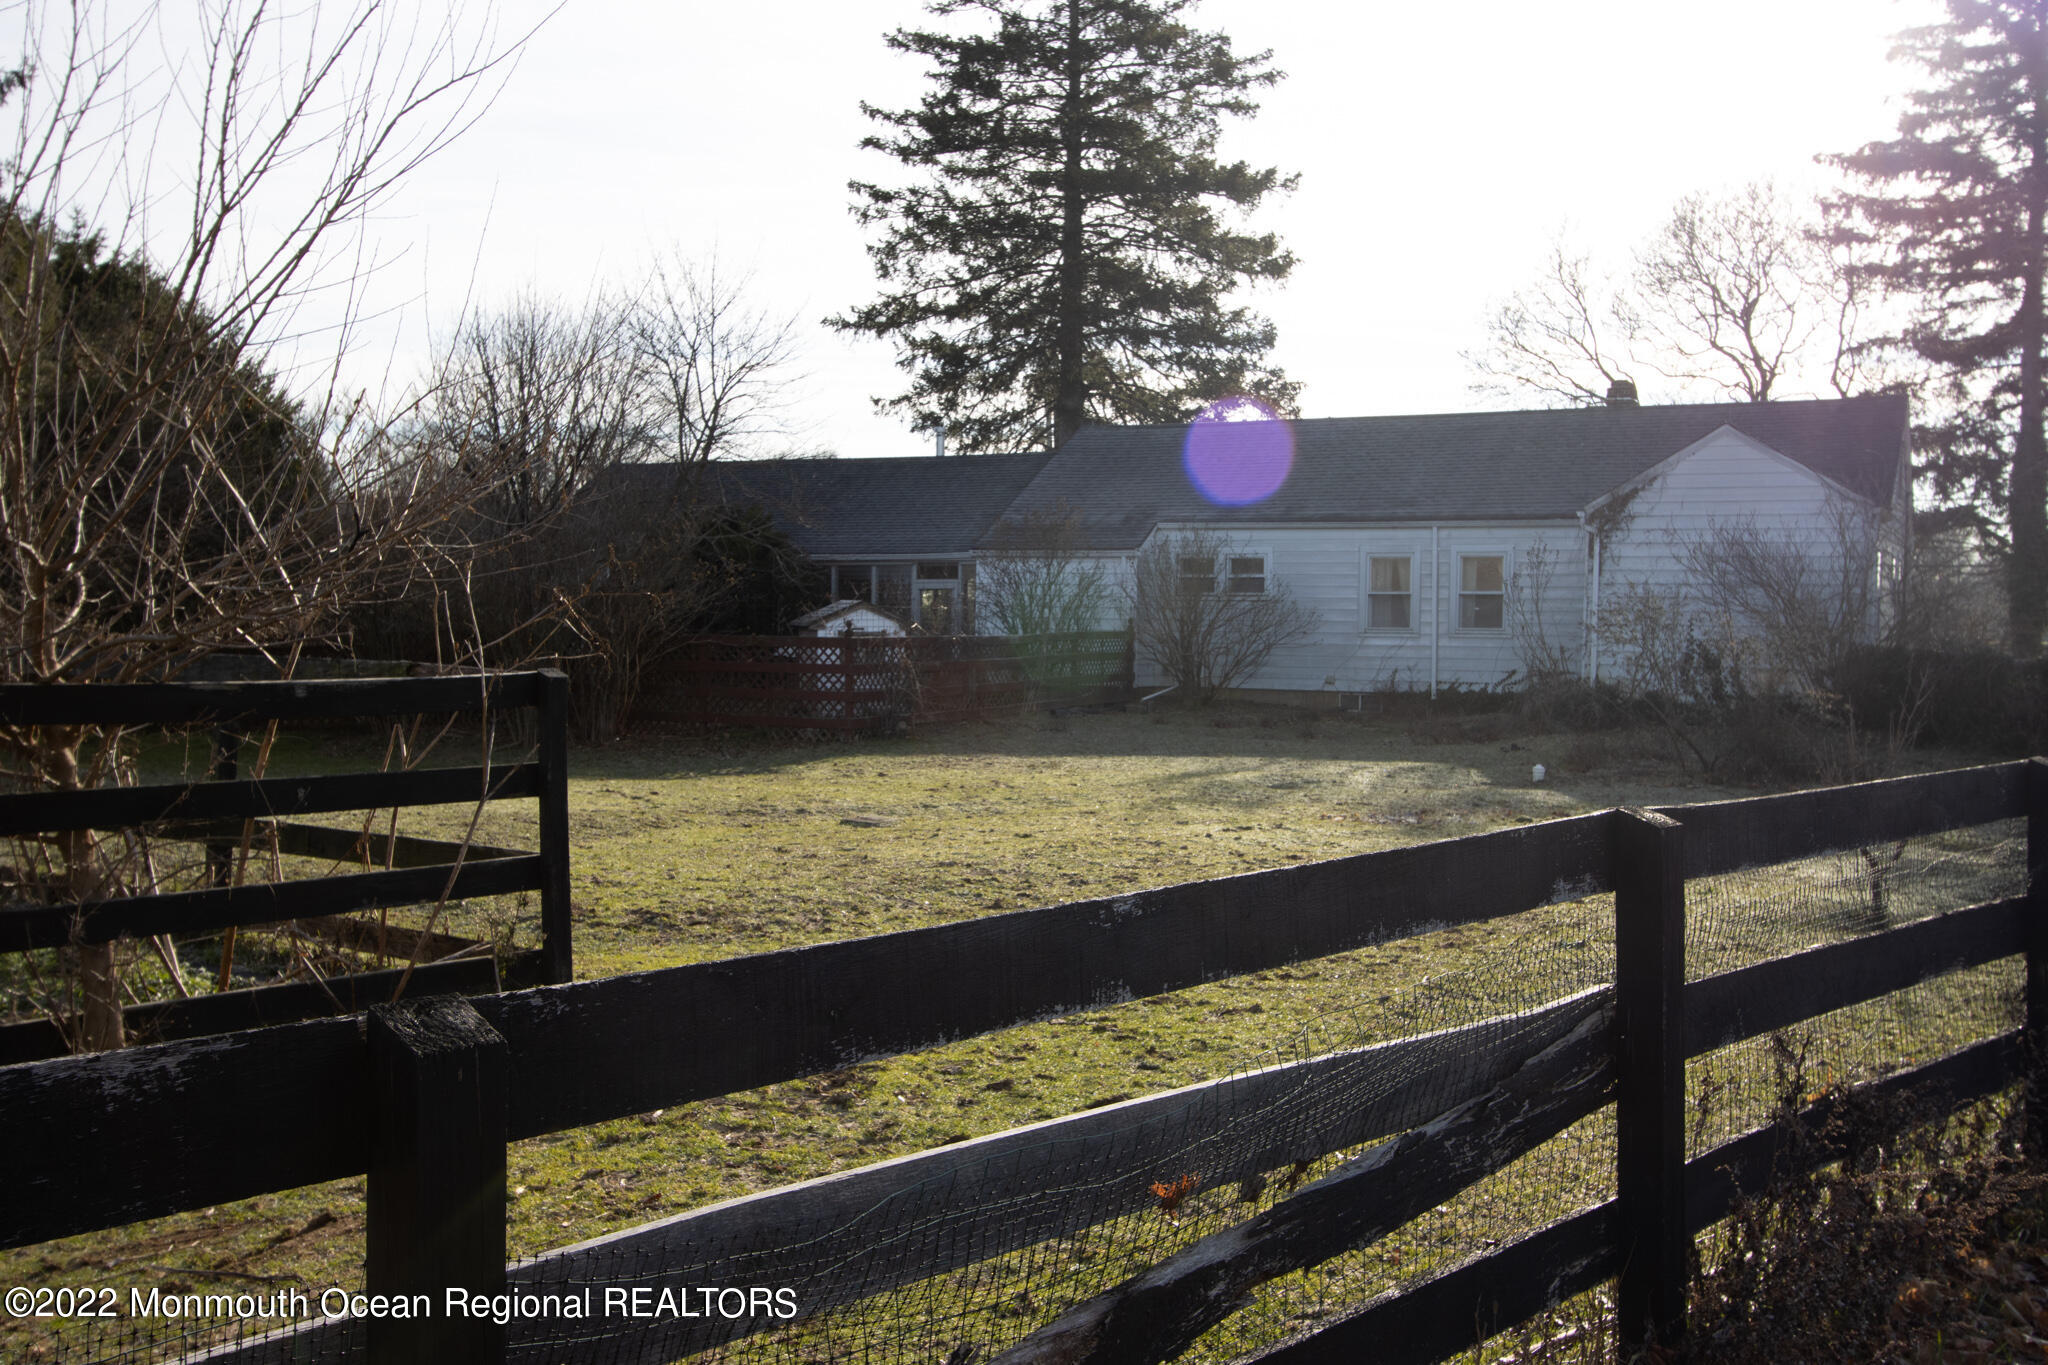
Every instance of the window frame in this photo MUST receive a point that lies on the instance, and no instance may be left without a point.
(867, 573)
(1459, 592)
(1220, 578)
(1408, 557)
(955, 622)
(1183, 576)
(1229, 578)
(951, 622)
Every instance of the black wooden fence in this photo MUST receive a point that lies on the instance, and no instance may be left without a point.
(424, 1100)
(219, 809)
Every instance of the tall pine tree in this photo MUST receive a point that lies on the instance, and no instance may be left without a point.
(1070, 257)
(1958, 200)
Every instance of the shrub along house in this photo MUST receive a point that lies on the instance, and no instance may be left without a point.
(1457, 549)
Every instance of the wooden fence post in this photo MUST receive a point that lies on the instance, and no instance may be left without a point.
(2035, 1030)
(436, 1207)
(846, 688)
(557, 954)
(1649, 950)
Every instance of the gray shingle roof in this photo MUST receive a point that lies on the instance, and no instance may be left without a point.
(1476, 466)
(850, 509)
(1455, 466)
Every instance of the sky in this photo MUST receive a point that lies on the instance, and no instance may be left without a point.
(1440, 149)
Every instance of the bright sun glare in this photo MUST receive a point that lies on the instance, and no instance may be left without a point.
(1239, 451)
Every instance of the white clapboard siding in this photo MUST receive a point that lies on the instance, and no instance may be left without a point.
(1723, 480)
(1728, 482)
(1325, 568)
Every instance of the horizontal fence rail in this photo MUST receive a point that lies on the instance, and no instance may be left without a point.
(783, 1015)
(293, 1001)
(1753, 831)
(270, 797)
(576, 1054)
(210, 703)
(1457, 1309)
(174, 912)
(793, 1013)
(1752, 1001)
(223, 811)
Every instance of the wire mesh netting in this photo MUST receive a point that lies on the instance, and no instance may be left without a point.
(958, 1254)
(1026, 1226)
(1750, 916)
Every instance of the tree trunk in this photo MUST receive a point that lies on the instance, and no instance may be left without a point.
(2027, 576)
(2028, 573)
(1070, 399)
(99, 1025)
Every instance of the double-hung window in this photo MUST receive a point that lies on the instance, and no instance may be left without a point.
(1390, 592)
(1482, 592)
(1238, 573)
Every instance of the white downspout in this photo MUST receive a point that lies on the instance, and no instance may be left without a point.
(1594, 630)
(1436, 603)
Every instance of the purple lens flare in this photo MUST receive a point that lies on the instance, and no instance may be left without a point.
(1238, 452)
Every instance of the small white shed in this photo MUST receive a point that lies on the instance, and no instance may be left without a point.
(848, 618)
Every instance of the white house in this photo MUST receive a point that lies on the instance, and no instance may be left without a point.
(1459, 548)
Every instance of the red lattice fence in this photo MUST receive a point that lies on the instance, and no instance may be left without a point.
(869, 683)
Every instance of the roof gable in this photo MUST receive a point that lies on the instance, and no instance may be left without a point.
(1750, 443)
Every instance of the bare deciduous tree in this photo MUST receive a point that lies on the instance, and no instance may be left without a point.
(1805, 596)
(1035, 579)
(598, 428)
(713, 368)
(1558, 339)
(1728, 293)
(1735, 296)
(1207, 626)
(161, 496)
(537, 400)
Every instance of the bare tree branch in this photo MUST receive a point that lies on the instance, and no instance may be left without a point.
(1736, 296)
(1206, 627)
(1548, 339)
(162, 494)
(1034, 579)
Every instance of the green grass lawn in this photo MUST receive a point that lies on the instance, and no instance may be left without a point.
(698, 850)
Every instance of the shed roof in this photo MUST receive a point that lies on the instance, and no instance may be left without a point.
(833, 611)
(1478, 466)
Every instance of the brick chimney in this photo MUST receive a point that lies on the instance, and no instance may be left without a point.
(1621, 393)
